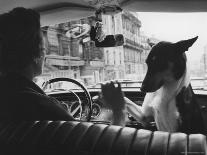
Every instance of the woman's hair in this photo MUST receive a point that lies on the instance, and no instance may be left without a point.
(20, 38)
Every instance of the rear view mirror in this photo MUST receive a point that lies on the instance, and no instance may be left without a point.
(106, 41)
(119, 38)
(97, 34)
(111, 41)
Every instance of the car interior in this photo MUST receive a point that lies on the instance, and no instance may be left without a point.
(92, 133)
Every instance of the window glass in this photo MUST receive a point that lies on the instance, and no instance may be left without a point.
(72, 54)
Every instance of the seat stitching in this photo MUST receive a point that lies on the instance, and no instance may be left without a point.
(27, 132)
(16, 130)
(149, 144)
(5, 129)
(168, 144)
(73, 128)
(115, 139)
(55, 129)
(81, 137)
(132, 141)
(98, 139)
(187, 148)
(42, 129)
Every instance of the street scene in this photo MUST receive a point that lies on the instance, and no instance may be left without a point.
(72, 54)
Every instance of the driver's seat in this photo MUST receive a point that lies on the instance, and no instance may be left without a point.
(50, 137)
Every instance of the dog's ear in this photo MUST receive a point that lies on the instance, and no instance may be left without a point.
(183, 45)
(151, 44)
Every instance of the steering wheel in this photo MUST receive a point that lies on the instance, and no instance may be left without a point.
(87, 95)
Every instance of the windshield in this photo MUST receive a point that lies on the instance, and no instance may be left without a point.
(72, 54)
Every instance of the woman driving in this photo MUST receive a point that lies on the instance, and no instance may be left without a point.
(22, 55)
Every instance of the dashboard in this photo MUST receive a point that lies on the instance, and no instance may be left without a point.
(101, 113)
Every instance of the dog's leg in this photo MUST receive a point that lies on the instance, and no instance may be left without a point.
(138, 112)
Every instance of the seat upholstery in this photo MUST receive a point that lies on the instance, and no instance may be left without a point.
(83, 138)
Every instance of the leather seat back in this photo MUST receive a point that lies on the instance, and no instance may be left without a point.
(49, 137)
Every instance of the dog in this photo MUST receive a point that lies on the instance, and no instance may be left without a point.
(169, 95)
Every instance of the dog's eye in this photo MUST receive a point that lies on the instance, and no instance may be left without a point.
(153, 58)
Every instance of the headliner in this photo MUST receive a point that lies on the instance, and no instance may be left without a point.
(57, 11)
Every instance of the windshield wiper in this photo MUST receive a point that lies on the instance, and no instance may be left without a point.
(199, 89)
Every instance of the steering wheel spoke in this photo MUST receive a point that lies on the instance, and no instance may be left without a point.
(77, 109)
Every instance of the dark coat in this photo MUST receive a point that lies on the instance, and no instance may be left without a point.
(190, 112)
(22, 99)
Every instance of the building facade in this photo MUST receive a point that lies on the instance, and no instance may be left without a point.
(127, 61)
(202, 68)
(73, 55)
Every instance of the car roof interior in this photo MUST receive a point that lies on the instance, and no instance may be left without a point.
(53, 11)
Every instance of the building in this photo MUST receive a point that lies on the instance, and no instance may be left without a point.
(125, 61)
(72, 54)
(201, 69)
(146, 48)
(113, 56)
(63, 57)
(205, 60)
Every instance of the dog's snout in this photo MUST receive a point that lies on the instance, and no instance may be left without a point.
(143, 88)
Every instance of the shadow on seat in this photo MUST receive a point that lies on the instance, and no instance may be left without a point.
(49, 137)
